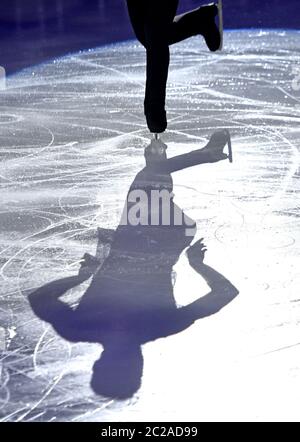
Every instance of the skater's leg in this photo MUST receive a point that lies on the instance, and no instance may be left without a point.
(200, 21)
(158, 59)
(159, 18)
(183, 26)
(152, 22)
(136, 10)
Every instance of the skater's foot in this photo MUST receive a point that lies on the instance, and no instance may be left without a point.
(155, 152)
(216, 145)
(156, 120)
(209, 29)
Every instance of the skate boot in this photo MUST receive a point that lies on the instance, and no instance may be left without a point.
(219, 139)
(212, 33)
(216, 145)
(156, 120)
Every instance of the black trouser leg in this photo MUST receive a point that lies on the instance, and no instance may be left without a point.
(158, 58)
(137, 13)
(182, 27)
(152, 21)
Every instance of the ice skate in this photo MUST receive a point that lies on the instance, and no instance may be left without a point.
(212, 32)
(217, 143)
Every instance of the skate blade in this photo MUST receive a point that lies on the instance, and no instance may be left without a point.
(230, 152)
(221, 25)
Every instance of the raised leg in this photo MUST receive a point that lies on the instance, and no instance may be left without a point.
(200, 21)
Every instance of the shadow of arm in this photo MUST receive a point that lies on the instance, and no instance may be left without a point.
(222, 293)
(222, 290)
(45, 301)
(47, 306)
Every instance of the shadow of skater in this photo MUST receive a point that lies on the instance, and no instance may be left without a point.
(130, 300)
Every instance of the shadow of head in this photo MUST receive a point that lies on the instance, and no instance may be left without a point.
(118, 372)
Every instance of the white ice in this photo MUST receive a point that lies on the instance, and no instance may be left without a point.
(72, 135)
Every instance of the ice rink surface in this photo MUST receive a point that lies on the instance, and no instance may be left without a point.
(72, 136)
